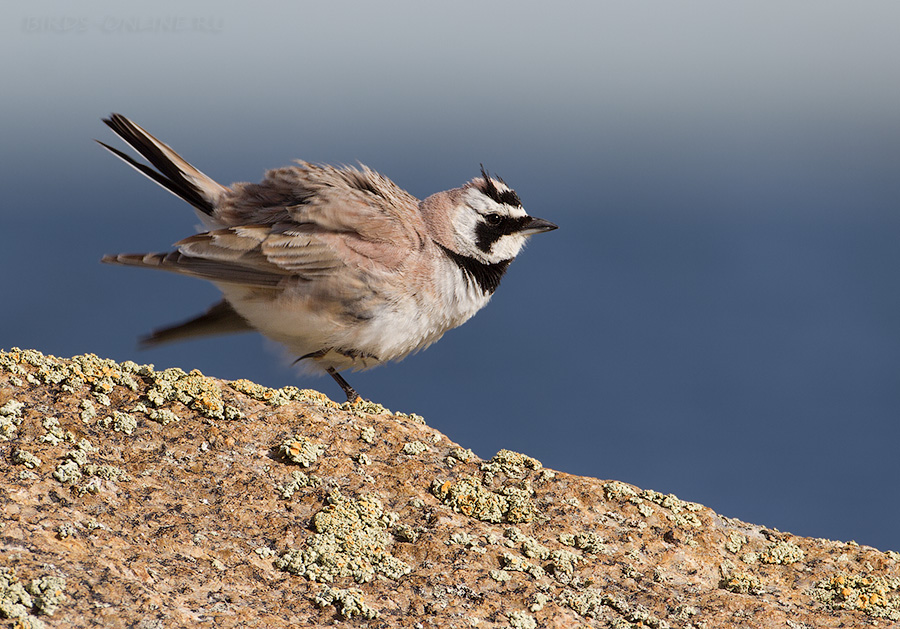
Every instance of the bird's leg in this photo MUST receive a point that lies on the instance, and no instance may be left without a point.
(352, 396)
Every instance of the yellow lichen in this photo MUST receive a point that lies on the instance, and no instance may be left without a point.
(468, 495)
(301, 450)
(876, 596)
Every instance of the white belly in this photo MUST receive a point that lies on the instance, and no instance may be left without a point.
(390, 326)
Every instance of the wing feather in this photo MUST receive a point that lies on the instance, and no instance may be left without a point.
(202, 268)
(312, 222)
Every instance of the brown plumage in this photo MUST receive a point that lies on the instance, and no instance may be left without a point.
(339, 264)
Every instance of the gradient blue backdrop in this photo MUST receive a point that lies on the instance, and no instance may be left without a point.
(717, 315)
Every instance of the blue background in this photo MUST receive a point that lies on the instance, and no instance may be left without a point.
(717, 315)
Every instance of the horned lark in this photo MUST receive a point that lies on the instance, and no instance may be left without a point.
(340, 265)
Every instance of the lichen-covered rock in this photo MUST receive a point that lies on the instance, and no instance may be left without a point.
(350, 540)
(136, 497)
(25, 602)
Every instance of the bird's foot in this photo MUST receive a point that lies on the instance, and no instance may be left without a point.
(352, 396)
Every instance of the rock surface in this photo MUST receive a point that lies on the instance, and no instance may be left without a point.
(138, 498)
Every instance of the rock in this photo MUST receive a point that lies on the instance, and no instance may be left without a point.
(132, 497)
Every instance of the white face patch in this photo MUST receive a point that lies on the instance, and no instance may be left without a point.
(487, 230)
(506, 248)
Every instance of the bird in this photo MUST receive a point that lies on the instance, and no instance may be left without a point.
(338, 264)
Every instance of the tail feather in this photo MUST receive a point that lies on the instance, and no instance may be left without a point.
(172, 172)
(203, 268)
(221, 318)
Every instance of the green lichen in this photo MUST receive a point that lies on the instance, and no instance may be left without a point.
(590, 603)
(88, 412)
(120, 422)
(782, 553)
(76, 465)
(163, 416)
(468, 495)
(80, 453)
(469, 542)
(405, 533)
(23, 457)
(463, 539)
(520, 507)
(588, 541)
(414, 448)
(100, 375)
(277, 397)
(15, 602)
(742, 583)
(680, 512)
(546, 475)
(514, 563)
(299, 480)
(22, 601)
(561, 563)
(534, 549)
(301, 450)
(349, 603)
(55, 435)
(259, 392)
(193, 389)
(350, 540)
(67, 472)
(103, 399)
(735, 541)
(367, 434)
(522, 620)
(361, 408)
(587, 603)
(265, 552)
(106, 472)
(539, 600)
(47, 594)
(876, 596)
(619, 491)
(513, 464)
(459, 455)
(413, 417)
(10, 419)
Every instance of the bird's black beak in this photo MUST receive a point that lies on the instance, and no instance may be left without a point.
(536, 226)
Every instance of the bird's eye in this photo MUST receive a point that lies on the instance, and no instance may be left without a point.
(493, 218)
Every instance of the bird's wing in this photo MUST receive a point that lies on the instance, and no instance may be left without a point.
(365, 219)
(340, 220)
